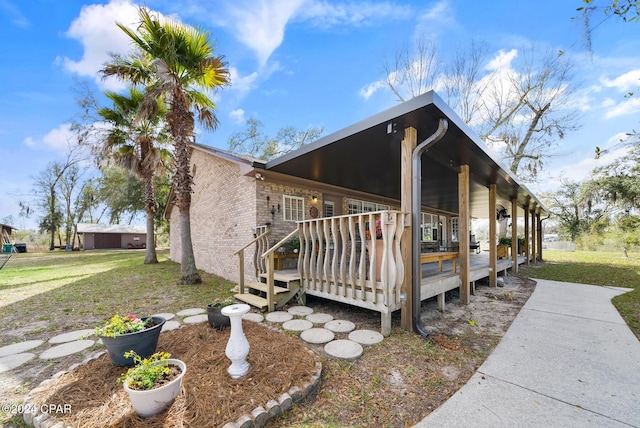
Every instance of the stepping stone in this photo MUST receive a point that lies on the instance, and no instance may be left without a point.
(340, 326)
(71, 336)
(12, 361)
(300, 310)
(192, 311)
(251, 316)
(195, 319)
(20, 347)
(319, 318)
(297, 325)
(366, 337)
(317, 335)
(343, 349)
(66, 349)
(279, 316)
(170, 325)
(166, 315)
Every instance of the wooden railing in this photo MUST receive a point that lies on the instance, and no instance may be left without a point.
(334, 262)
(270, 261)
(262, 244)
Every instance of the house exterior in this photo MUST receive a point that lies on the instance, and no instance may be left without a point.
(111, 236)
(415, 171)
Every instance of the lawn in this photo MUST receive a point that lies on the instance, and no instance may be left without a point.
(597, 268)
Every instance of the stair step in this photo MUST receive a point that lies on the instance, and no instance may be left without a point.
(260, 286)
(253, 300)
(284, 276)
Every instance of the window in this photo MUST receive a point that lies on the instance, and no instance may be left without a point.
(429, 227)
(293, 208)
(328, 209)
(358, 207)
(455, 232)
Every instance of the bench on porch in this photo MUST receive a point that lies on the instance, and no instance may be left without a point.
(440, 257)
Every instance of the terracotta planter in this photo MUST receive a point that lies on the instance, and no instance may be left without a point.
(143, 342)
(153, 401)
(216, 319)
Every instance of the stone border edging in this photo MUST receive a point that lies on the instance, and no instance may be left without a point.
(258, 417)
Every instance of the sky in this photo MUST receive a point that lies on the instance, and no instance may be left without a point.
(298, 63)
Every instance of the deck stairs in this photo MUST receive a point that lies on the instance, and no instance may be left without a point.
(286, 287)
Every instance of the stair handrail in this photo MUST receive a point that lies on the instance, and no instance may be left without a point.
(271, 295)
(240, 254)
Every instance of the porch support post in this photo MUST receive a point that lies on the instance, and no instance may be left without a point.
(493, 250)
(539, 237)
(463, 225)
(514, 235)
(409, 144)
(534, 232)
(527, 238)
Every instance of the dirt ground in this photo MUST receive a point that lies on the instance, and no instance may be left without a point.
(394, 384)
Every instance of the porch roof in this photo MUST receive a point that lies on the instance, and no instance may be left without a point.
(366, 157)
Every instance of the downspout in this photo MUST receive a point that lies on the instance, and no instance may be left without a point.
(416, 204)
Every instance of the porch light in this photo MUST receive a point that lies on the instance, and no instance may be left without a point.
(314, 198)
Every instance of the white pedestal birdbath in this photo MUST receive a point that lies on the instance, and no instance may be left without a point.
(238, 346)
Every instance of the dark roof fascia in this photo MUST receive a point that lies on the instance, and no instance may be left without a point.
(393, 113)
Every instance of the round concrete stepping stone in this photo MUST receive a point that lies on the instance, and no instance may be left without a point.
(66, 349)
(297, 325)
(166, 315)
(317, 335)
(300, 310)
(71, 336)
(340, 326)
(195, 319)
(251, 316)
(10, 362)
(343, 349)
(366, 337)
(20, 347)
(170, 325)
(319, 318)
(279, 316)
(192, 311)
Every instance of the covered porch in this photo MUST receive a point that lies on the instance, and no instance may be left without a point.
(421, 157)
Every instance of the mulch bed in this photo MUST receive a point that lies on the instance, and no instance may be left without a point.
(209, 397)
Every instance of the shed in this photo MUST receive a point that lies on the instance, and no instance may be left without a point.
(111, 236)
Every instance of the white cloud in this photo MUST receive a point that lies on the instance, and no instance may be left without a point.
(29, 142)
(624, 82)
(59, 140)
(95, 28)
(260, 24)
(17, 18)
(242, 84)
(327, 14)
(372, 88)
(238, 115)
(628, 106)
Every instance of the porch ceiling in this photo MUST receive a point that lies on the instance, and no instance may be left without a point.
(366, 157)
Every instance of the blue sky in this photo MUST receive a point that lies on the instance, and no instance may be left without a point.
(296, 63)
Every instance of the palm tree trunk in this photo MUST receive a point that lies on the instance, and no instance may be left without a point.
(150, 254)
(189, 272)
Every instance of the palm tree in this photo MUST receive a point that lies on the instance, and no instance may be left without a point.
(129, 141)
(175, 62)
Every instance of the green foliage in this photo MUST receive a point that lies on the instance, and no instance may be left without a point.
(146, 371)
(221, 303)
(118, 325)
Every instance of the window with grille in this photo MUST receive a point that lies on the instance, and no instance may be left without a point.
(356, 206)
(293, 208)
(328, 209)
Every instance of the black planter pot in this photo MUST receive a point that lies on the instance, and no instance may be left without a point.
(216, 319)
(143, 342)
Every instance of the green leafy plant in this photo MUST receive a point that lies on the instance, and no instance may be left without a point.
(118, 325)
(505, 240)
(221, 303)
(146, 371)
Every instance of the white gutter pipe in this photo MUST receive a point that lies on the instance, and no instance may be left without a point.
(416, 204)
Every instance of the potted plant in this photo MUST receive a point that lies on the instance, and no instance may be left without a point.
(214, 314)
(121, 334)
(503, 247)
(153, 383)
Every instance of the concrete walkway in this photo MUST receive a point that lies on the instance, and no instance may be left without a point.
(568, 360)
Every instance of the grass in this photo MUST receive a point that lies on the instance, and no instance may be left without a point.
(596, 268)
(81, 289)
